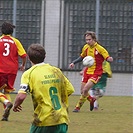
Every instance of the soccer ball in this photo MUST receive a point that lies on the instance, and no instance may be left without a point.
(88, 61)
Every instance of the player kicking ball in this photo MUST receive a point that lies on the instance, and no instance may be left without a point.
(93, 73)
(99, 89)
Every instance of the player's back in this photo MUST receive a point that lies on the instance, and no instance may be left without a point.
(48, 88)
(8, 55)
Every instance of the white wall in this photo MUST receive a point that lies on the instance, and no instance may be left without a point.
(118, 85)
(52, 18)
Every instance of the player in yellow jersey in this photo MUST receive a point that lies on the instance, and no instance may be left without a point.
(49, 89)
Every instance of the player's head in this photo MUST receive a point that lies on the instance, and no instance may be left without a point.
(91, 33)
(7, 28)
(90, 37)
(36, 53)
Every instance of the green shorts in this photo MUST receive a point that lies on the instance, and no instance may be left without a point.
(101, 84)
(62, 128)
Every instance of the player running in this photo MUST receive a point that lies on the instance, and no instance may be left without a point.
(10, 49)
(49, 89)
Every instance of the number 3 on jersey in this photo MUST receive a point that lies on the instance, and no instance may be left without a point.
(6, 52)
(54, 98)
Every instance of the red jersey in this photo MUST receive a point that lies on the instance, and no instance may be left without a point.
(10, 50)
(99, 54)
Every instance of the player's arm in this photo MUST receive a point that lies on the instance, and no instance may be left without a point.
(110, 59)
(67, 84)
(105, 54)
(79, 59)
(82, 71)
(18, 101)
(69, 87)
(21, 53)
(22, 67)
(22, 93)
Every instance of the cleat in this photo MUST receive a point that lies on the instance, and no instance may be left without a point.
(92, 100)
(7, 111)
(76, 110)
(4, 119)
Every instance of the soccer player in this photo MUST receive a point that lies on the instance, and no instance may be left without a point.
(49, 89)
(10, 50)
(91, 74)
(98, 89)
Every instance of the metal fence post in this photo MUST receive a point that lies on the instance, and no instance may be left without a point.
(14, 15)
(97, 17)
(42, 22)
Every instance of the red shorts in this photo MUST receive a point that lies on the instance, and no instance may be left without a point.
(93, 77)
(9, 80)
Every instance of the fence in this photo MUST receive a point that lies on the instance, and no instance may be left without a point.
(112, 20)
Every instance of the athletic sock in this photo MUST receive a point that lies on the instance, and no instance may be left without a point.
(8, 96)
(96, 104)
(89, 98)
(81, 102)
(3, 99)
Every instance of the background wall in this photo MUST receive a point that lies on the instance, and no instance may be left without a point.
(118, 85)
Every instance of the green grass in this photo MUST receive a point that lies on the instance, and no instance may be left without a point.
(115, 115)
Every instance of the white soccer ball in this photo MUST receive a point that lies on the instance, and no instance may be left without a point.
(88, 61)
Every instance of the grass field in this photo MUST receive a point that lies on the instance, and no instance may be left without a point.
(115, 115)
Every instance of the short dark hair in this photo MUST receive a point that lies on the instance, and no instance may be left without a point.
(7, 28)
(36, 53)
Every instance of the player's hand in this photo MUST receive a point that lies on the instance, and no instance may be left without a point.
(22, 68)
(71, 65)
(17, 109)
(110, 59)
(81, 72)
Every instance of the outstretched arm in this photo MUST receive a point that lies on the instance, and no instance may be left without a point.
(18, 101)
(79, 59)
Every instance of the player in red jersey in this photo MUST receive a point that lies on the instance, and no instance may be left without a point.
(91, 74)
(10, 50)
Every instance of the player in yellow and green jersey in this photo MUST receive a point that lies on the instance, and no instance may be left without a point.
(98, 90)
(49, 89)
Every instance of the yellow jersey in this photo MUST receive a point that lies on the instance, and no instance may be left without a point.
(107, 68)
(49, 89)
